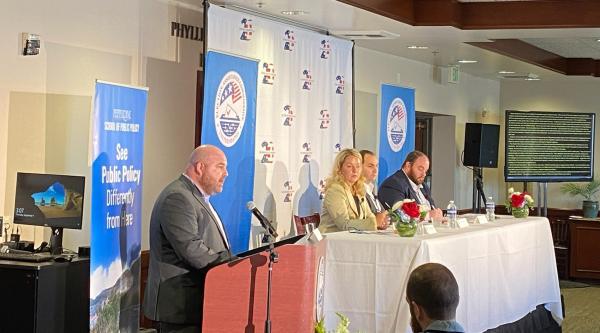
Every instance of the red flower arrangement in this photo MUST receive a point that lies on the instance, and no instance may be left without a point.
(407, 210)
(519, 199)
(411, 209)
(519, 203)
(516, 200)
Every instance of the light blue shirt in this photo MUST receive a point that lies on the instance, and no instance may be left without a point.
(445, 326)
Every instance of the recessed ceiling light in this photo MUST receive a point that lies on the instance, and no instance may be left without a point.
(532, 79)
(598, 40)
(294, 12)
(417, 47)
(467, 61)
(506, 72)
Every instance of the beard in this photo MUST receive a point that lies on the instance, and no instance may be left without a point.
(416, 180)
(414, 324)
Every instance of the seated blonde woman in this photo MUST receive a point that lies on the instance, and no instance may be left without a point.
(344, 206)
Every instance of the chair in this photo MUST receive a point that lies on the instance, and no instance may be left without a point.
(302, 221)
(561, 238)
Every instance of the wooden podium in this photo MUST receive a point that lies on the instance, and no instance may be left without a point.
(235, 293)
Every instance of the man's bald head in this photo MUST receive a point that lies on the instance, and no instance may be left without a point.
(203, 153)
(207, 167)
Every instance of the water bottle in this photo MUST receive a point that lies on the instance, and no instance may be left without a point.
(451, 215)
(490, 209)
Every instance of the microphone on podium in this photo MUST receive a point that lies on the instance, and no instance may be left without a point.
(262, 219)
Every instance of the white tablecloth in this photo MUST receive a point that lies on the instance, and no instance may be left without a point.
(504, 270)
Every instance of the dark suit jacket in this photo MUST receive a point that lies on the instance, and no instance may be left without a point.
(184, 242)
(397, 187)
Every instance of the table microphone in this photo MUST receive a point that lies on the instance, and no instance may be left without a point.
(261, 218)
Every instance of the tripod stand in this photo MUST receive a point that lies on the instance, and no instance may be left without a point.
(478, 194)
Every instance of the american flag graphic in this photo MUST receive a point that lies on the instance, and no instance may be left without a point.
(398, 112)
(231, 89)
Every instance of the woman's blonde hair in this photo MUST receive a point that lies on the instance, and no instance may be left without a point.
(336, 174)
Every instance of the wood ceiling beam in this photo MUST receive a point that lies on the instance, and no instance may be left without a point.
(537, 14)
(530, 14)
(534, 14)
(402, 11)
(520, 50)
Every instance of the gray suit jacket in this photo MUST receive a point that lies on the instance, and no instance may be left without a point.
(184, 242)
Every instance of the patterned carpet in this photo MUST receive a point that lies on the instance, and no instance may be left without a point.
(582, 307)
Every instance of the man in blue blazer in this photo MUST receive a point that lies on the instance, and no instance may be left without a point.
(187, 237)
(408, 183)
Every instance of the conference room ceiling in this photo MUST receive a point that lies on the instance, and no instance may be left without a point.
(545, 39)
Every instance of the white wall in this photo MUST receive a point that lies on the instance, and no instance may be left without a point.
(82, 40)
(569, 94)
(443, 151)
(464, 101)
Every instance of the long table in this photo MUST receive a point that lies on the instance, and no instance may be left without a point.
(503, 269)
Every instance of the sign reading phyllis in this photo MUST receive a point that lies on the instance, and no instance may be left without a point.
(119, 113)
(186, 31)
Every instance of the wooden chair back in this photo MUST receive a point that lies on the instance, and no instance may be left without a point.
(302, 221)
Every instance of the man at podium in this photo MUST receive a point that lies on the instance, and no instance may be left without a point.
(186, 238)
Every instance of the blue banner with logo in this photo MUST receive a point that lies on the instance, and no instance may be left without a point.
(397, 133)
(228, 122)
(116, 221)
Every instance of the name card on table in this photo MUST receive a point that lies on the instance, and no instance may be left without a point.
(429, 229)
(462, 222)
(481, 219)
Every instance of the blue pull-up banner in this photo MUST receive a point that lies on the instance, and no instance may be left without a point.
(397, 134)
(116, 221)
(228, 122)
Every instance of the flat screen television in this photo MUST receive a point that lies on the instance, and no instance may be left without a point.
(549, 146)
(50, 200)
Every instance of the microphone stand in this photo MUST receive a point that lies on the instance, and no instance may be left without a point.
(273, 258)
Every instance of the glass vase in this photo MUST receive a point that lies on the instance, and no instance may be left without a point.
(520, 212)
(406, 229)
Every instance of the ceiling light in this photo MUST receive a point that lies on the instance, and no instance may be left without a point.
(418, 47)
(364, 34)
(294, 12)
(532, 79)
(598, 40)
(467, 61)
(506, 72)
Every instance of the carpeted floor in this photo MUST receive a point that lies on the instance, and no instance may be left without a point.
(582, 307)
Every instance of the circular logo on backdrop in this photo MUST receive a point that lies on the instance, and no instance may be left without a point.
(230, 108)
(396, 124)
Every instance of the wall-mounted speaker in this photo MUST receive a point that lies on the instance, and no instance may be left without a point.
(481, 145)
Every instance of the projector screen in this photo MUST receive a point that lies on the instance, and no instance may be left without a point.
(549, 146)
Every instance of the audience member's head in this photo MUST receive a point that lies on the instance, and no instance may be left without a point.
(207, 168)
(415, 166)
(347, 170)
(370, 165)
(432, 294)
